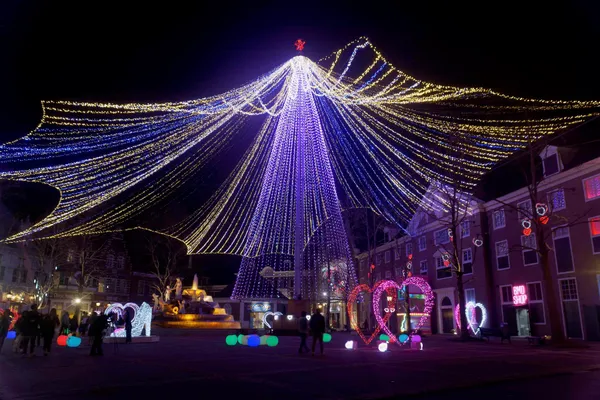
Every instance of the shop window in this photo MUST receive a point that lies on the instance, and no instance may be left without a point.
(595, 234)
(591, 187)
(499, 219)
(529, 245)
(562, 250)
(422, 243)
(536, 303)
(423, 267)
(502, 259)
(556, 199)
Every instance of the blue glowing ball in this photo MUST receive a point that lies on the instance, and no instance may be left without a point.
(253, 341)
(403, 338)
(73, 341)
(11, 335)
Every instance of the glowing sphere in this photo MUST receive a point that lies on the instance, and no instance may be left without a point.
(290, 317)
(403, 338)
(416, 338)
(11, 335)
(231, 340)
(382, 347)
(240, 339)
(253, 341)
(272, 341)
(73, 341)
(263, 339)
(350, 345)
(384, 337)
(326, 338)
(245, 340)
(62, 340)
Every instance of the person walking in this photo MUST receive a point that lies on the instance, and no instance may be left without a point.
(317, 328)
(127, 326)
(4, 324)
(64, 323)
(31, 327)
(84, 325)
(48, 325)
(303, 332)
(97, 332)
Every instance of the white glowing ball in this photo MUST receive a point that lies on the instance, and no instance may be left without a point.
(350, 345)
(308, 317)
(383, 346)
(276, 317)
(290, 317)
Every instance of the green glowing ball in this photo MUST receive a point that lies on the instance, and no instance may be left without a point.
(272, 341)
(231, 340)
(326, 338)
(240, 339)
(263, 340)
(384, 337)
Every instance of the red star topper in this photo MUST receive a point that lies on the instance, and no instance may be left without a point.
(299, 44)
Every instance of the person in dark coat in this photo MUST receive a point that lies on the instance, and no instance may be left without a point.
(31, 327)
(97, 332)
(303, 332)
(317, 328)
(4, 324)
(48, 325)
(127, 326)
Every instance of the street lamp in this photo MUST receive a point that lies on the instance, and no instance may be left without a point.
(77, 300)
(97, 304)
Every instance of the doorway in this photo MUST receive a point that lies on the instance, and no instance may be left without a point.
(447, 315)
(523, 322)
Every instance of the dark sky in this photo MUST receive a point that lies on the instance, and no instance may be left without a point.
(175, 50)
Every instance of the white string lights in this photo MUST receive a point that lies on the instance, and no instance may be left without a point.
(352, 122)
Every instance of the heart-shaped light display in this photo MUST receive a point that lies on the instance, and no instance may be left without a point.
(471, 314)
(142, 318)
(268, 314)
(352, 299)
(389, 284)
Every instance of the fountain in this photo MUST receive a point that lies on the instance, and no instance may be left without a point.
(195, 310)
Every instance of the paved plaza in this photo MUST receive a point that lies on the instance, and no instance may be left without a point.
(201, 365)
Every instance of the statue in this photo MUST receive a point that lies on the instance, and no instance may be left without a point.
(178, 288)
(182, 307)
(156, 300)
(168, 293)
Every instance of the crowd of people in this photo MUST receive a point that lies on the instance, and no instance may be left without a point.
(34, 328)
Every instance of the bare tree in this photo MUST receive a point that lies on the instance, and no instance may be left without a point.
(165, 255)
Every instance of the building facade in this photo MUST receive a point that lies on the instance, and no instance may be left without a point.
(501, 266)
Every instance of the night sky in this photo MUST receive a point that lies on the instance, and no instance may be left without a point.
(106, 51)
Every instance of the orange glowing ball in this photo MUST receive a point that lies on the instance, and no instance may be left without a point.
(62, 340)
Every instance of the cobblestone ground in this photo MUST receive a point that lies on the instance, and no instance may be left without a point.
(188, 363)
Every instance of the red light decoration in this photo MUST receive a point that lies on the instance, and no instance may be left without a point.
(595, 226)
(299, 44)
(350, 307)
(544, 219)
(527, 231)
(520, 295)
(62, 340)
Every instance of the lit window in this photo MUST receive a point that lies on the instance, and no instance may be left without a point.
(591, 187)
(556, 199)
(499, 219)
(470, 295)
(443, 272)
(595, 233)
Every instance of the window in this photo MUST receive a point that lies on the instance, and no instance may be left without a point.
(125, 286)
(465, 229)
(423, 267)
(109, 287)
(529, 245)
(551, 165)
(568, 289)
(2, 270)
(120, 262)
(379, 259)
(524, 210)
(536, 303)
(594, 233)
(556, 200)
(441, 237)
(396, 254)
(562, 250)
(502, 260)
(467, 261)
(498, 219)
(110, 261)
(470, 295)
(507, 301)
(591, 187)
(63, 279)
(378, 277)
(409, 250)
(398, 271)
(422, 243)
(388, 274)
(387, 256)
(442, 271)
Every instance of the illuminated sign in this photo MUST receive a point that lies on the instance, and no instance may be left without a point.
(519, 295)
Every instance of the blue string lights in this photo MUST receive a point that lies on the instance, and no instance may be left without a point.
(351, 127)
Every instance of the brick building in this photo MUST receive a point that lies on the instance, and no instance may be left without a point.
(498, 257)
